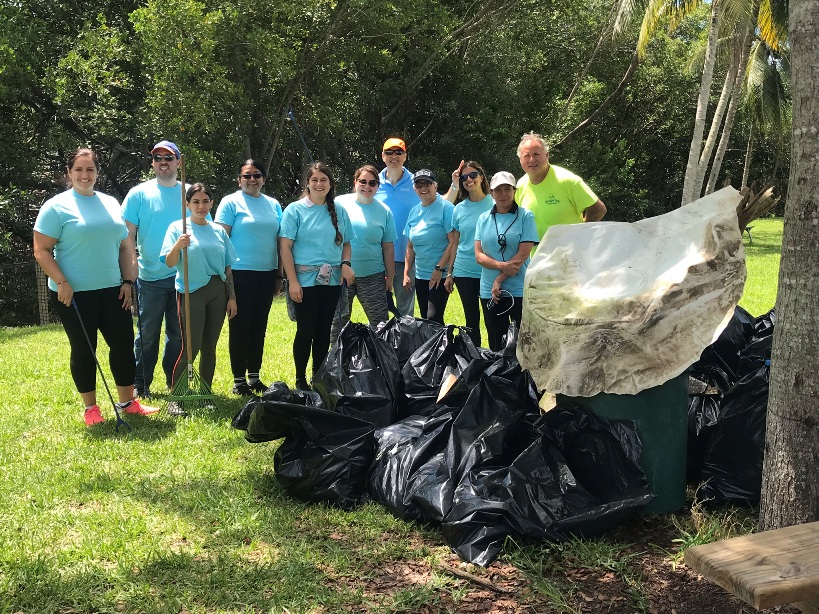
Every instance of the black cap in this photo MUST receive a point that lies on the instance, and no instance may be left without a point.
(424, 175)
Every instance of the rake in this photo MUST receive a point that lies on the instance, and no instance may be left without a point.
(191, 392)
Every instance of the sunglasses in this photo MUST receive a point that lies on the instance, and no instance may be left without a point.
(472, 175)
(370, 182)
(251, 176)
(166, 157)
(393, 152)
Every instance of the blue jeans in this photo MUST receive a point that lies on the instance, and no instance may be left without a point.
(157, 302)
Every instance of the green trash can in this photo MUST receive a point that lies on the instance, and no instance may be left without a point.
(661, 417)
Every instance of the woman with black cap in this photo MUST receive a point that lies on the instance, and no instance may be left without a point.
(430, 246)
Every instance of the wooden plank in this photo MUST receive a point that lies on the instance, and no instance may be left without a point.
(764, 569)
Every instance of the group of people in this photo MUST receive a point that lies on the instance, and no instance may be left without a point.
(392, 239)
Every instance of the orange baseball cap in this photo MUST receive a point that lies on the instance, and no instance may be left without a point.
(393, 142)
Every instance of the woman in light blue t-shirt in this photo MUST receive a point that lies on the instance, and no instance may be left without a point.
(252, 221)
(314, 247)
(472, 199)
(82, 244)
(210, 256)
(504, 237)
(373, 253)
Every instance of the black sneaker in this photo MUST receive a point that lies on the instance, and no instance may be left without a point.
(301, 383)
(258, 387)
(175, 408)
(243, 390)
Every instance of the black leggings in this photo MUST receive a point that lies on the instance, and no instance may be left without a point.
(254, 296)
(314, 318)
(498, 317)
(102, 311)
(469, 289)
(431, 302)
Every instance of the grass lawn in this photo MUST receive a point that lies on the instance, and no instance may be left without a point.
(182, 515)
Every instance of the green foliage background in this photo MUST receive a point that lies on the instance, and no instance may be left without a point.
(455, 79)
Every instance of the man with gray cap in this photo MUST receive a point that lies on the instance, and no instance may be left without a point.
(148, 210)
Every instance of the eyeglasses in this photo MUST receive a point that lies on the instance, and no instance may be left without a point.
(166, 157)
(252, 176)
(393, 152)
(422, 184)
(472, 175)
(371, 182)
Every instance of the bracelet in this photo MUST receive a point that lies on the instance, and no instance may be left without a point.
(453, 187)
(59, 283)
(130, 282)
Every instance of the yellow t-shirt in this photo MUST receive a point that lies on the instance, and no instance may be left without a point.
(560, 198)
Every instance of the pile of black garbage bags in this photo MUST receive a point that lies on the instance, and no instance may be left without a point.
(727, 410)
(482, 461)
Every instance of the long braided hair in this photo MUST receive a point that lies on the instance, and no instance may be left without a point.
(321, 167)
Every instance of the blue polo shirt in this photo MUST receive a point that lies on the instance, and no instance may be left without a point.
(427, 228)
(89, 231)
(209, 253)
(152, 208)
(516, 230)
(464, 219)
(254, 229)
(400, 198)
(314, 239)
(373, 225)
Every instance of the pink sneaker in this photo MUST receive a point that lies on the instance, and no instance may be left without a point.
(140, 410)
(93, 416)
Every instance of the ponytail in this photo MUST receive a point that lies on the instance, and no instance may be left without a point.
(331, 209)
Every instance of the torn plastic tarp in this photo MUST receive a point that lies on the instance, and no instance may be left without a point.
(621, 308)
(360, 376)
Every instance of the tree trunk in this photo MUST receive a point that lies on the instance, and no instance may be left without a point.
(716, 122)
(749, 151)
(745, 52)
(702, 107)
(790, 480)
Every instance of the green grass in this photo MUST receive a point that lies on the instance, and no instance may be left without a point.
(184, 515)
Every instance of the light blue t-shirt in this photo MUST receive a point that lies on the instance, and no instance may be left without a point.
(152, 208)
(373, 225)
(400, 198)
(254, 230)
(427, 228)
(89, 231)
(314, 239)
(209, 253)
(516, 231)
(464, 218)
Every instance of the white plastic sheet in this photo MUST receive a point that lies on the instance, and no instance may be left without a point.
(617, 307)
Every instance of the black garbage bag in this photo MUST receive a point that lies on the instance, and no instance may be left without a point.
(578, 477)
(724, 352)
(443, 354)
(277, 391)
(710, 386)
(764, 325)
(324, 457)
(362, 370)
(406, 334)
(754, 355)
(405, 454)
(732, 468)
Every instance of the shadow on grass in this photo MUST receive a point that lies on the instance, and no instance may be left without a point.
(171, 582)
(141, 428)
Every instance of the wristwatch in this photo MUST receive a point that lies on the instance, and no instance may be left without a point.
(441, 269)
(347, 262)
(130, 282)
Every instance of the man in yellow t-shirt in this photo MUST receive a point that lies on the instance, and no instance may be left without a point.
(553, 194)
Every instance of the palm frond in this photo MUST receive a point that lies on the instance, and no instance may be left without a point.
(679, 10)
(736, 14)
(624, 15)
(773, 23)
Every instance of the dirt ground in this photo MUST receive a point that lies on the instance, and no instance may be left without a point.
(502, 588)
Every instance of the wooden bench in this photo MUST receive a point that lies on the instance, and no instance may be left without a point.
(765, 569)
